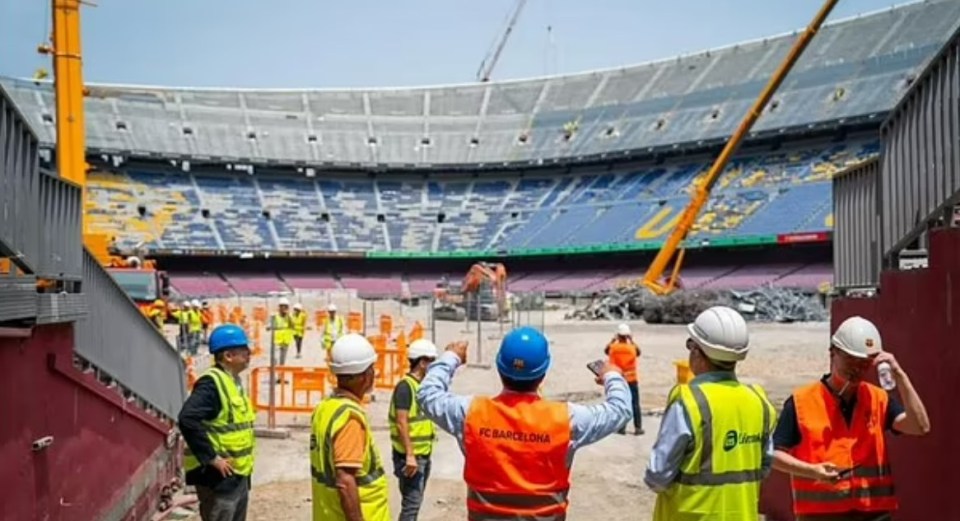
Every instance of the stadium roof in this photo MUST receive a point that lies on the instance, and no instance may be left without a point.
(854, 69)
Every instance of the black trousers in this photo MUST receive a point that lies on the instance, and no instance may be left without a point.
(635, 403)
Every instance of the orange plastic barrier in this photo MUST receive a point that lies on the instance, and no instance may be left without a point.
(391, 362)
(320, 317)
(386, 325)
(300, 388)
(260, 313)
(355, 322)
(191, 373)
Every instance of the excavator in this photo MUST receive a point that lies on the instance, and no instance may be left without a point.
(483, 280)
(656, 279)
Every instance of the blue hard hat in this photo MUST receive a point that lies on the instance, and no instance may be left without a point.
(524, 354)
(227, 336)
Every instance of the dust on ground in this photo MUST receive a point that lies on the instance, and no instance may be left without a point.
(607, 476)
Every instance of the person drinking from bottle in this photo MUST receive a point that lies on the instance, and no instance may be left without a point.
(830, 437)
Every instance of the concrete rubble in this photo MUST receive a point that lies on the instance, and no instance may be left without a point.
(764, 304)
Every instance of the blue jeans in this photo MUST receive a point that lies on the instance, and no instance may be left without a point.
(411, 489)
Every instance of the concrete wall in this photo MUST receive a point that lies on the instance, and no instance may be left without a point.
(918, 314)
(108, 459)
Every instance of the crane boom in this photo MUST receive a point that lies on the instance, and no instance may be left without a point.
(652, 279)
(489, 62)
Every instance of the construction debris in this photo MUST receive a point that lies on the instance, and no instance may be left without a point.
(765, 304)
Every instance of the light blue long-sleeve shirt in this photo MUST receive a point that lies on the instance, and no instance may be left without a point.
(675, 440)
(588, 423)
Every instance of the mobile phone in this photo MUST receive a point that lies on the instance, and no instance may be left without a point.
(596, 366)
(846, 473)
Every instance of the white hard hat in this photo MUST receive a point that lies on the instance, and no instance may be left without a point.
(623, 330)
(721, 333)
(187, 304)
(332, 307)
(351, 354)
(857, 337)
(298, 306)
(195, 303)
(283, 301)
(420, 348)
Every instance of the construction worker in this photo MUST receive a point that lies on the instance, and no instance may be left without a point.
(299, 325)
(217, 424)
(333, 329)
(830, 437)
(412, 434)
(518, 447)
(349, 483)
(158, 313)
(623, 353)
(282, 327)
(692, 476)
(206, 318)
(194, 326)
(183, 327)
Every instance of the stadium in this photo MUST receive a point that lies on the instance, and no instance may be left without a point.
(123, 206)
(593, 168)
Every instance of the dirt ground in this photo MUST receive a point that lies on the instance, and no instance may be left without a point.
(607, 477)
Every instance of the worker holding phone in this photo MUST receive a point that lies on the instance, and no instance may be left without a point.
(518, 446)
(830, 437)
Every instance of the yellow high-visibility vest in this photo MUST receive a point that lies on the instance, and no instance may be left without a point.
(282, 330)
(231, 432)
(299, 324)
(329, 417)
(332, 330)
(720, 478)
(423, 433)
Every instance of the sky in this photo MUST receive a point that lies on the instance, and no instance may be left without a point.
(368, 43)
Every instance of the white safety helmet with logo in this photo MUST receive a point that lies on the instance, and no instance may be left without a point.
(351, 354)
(298, 306)
(332, 307)
(721, 333)
(421, 348)
(857, 337)
(195, 303)
(623, 330)
(284, 301)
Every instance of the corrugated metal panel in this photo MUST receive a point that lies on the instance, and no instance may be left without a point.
(921, 160)
(55, 308)
(18, 298)
(118, 339)
(856, 226)
(19, 186)
(60, 219)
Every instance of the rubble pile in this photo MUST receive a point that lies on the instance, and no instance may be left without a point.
(765, 304)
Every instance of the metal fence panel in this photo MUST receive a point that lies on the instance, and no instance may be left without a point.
(856, 226)
(118, 339)
(19, 187)
(921, 159)
(60, 216)
(18, 298)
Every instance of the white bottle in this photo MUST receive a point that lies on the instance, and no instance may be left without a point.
(885, 375)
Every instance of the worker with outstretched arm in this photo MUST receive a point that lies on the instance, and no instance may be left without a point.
(518, 447)
(349, 483)
(623, 352)
(830, 437)
(412, 434)
(217, 425)
(714, 446)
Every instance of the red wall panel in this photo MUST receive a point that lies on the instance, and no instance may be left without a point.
(918, 314)
(97, 450)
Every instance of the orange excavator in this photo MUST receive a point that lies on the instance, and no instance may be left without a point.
(487, 280)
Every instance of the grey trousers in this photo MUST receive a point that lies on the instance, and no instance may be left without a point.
(411, 489)
(230, 506)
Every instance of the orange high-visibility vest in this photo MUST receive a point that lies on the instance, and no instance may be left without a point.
(515, 447)
(624, 356)
(826, 437)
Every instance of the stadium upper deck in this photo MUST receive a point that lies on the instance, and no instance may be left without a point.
(855, 69)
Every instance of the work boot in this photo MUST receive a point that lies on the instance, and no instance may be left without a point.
(638, 432)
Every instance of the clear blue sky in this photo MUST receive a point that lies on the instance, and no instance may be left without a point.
(357, 43)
